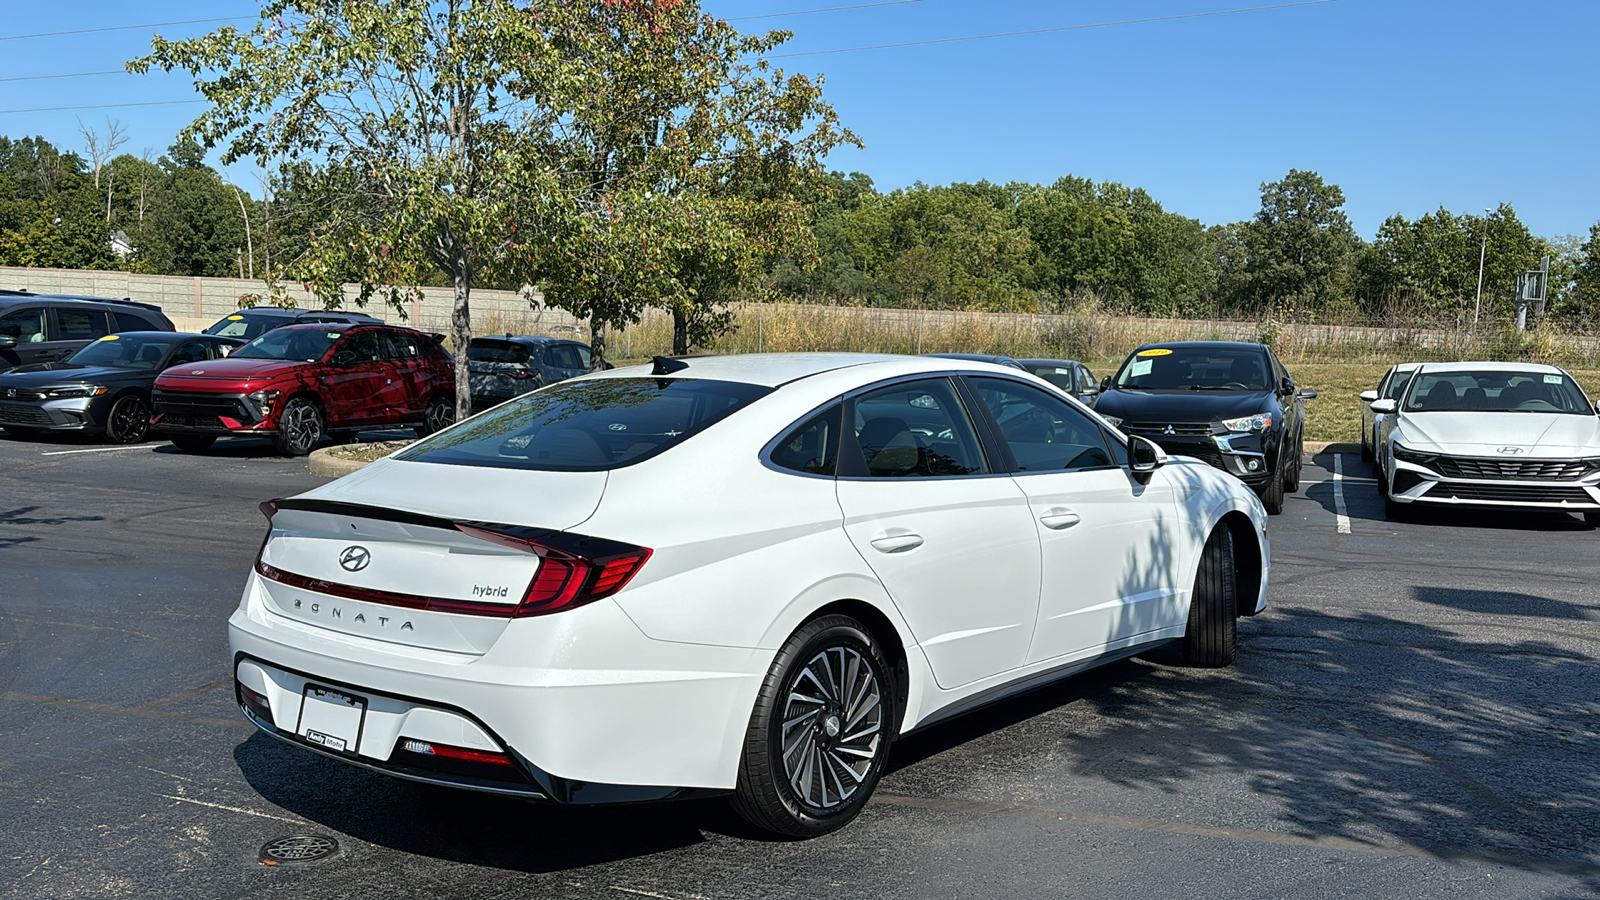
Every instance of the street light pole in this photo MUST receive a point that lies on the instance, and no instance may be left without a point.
(1483, 250)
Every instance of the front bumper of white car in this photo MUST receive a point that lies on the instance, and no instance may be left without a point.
(579, 707)
(1442, 479)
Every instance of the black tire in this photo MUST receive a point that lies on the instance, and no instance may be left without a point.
(1272, 494)
(768, 796)
(1291, 482)
(1366, 445)
(26, 434)
(192, 443)
(300, 427)
(1211, 639)
(439, 414)
(129, 420)
(1392, 510)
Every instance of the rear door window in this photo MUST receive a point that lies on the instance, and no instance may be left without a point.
(916, 429)
(80, 324)
(130, 322)
(588, 425)
(25, 326)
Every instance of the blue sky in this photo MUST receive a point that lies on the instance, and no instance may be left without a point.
(1406, 104)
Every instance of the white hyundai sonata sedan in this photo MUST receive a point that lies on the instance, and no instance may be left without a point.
(1507, 435)
(742, 575)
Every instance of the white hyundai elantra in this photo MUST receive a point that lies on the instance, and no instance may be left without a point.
(744, 575)
(1507, 435)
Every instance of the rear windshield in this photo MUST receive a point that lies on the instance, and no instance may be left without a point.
(482, 350)
(587, 426)
(1535, 392)
(1194, 369)
(246, 327)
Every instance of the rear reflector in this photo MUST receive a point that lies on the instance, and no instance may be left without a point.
(445, 751)
(574, 569)
(256, 702)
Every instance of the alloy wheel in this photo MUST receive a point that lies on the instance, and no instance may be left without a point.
(303, 427)
(832, 727)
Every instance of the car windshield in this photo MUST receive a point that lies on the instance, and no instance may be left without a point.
(1503, 391)
(1194, 369)
(121, 351)
(302, 344)
(1060, 376)
(1397, 384)
(587, 426)
(240, 325)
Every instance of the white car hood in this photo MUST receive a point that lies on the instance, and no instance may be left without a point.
(1535, 435)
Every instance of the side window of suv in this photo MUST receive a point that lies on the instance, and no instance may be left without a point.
(561, 356)
(130, 322)
(363, 346)
(80, 324)
(399, 345)
(190, 352)
(25, 326)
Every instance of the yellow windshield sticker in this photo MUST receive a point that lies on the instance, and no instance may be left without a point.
(109, 337)
(1159, 351)
(236, 318)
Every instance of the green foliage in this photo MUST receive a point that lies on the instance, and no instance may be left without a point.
(1436, 258)
(1299, 246)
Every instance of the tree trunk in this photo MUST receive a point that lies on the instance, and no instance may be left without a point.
(680, 332)
(460, 338)
(597, 343)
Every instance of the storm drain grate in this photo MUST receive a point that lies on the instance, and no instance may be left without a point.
(298, 849)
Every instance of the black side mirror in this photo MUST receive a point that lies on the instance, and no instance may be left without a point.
(1105, 384)
(1308, 394)
(7, 341)
(1144, 457)
(1287, 385)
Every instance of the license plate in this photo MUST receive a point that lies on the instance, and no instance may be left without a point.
(331, 719)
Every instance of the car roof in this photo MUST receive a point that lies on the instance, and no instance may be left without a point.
(296, 312)
(778, 369)
(1049, 362)
(526, 339)
(1203, 345)
(170, 335)
(1488, 367)
(975, 357)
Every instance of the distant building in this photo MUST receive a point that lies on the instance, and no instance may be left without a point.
(120, 245)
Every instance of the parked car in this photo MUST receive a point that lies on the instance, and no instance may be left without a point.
(103, 388)
(742, 575)
(1232, 405)
(511, 366)
(1504, 435)
(1390, 387)
(39, 328)
(1006, 361)
(297, 383)
(1069, 375)
(252, 322)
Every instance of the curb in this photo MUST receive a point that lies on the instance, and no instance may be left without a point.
(1314, 448)
(325, 464)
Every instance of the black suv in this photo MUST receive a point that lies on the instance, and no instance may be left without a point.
(252, 322)
(40, 328)
(1232, 405)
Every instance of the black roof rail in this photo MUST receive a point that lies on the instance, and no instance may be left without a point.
(121, 301)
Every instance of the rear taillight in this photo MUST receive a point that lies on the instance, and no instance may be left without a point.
(461, 754)
(573, 569)
(255, 701)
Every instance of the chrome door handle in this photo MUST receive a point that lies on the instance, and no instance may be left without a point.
(897, 543)
(1059, 518)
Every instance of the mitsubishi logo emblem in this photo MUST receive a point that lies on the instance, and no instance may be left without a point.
(354, 558)
(1168, 430)
(11, 392)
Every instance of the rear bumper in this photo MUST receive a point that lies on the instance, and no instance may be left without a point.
(591, 709)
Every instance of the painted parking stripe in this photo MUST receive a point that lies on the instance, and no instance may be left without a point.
(96, 450)
(1338, 494)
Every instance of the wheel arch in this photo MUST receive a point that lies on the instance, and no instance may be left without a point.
(1248, 568)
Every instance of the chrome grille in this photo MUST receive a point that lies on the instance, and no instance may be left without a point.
(1159, 429)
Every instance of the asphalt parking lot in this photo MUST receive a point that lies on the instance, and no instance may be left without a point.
(1416, 715)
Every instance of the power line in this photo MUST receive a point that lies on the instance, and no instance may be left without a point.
(66, 75)
(99, 106)
(1001, 34)
(828, 9)
(19, 37)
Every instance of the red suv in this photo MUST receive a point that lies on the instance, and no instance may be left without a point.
(298, 383)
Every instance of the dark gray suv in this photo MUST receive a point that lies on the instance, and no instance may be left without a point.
(510, 366)
(41, 328)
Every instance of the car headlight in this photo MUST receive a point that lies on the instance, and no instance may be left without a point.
(1406, 454)
(66, 392)
(1249, 424)
(265, 399)
(1112, 419)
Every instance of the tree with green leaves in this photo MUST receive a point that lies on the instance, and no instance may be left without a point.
(410, 119)
(661, 109)
(1299, 247)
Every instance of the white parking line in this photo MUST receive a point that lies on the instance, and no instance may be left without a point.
(1338, 493)
(96, 450)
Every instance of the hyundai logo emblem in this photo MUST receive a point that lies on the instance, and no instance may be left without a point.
(354, 558)
(197, 371)
(1511, 450)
